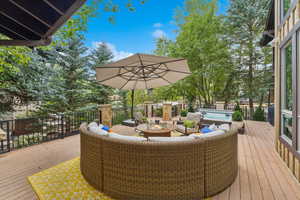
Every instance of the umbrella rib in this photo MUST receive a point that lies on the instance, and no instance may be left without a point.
(163, 78)
(113, 67)
(143, 71)
(124, 66)
(119, 74)
(179, 71)
(129, 79)
(164, 62)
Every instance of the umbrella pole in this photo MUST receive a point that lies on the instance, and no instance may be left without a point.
(132, 101)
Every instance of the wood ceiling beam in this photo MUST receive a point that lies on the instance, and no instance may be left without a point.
(30, 13)
(13, 32)
(54, 7)
(67, 15)
(29, 43)
(21, 24)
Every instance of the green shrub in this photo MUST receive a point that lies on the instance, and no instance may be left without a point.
(190, 108)
(189, 123)
(183, 113)
(259, 115)
(158, 112)
(237, 116)
(237, 107)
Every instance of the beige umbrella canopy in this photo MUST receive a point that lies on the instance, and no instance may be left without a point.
(142, 71)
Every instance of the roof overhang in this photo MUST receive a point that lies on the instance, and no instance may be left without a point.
(268, 34)
(33, 22)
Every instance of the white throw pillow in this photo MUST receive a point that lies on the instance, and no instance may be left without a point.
(171, 139)
(92, 124)
(125, 137)
(213, 127)
(224, 127)
(98, 130)
(206, 135)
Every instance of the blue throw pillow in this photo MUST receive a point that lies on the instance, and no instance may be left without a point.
(106, 128)
(206, 130)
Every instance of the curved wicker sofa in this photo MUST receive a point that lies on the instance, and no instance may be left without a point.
(128, 170)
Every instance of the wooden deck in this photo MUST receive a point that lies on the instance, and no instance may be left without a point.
(262, 174)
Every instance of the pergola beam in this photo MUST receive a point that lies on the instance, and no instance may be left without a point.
(30, 13)
(54, 7)
(21, 24)
(32, 43)
(13, 32)
(65, 16)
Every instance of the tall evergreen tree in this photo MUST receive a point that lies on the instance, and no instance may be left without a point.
(246, 23)
(99, 94)
(67, 86)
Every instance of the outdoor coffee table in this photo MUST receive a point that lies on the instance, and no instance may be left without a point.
(154, 130)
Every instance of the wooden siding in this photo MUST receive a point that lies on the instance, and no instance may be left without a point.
(288, 24)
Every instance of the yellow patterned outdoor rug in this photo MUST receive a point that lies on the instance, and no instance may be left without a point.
(64, 181)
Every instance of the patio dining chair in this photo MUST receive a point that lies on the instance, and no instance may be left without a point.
(139, 118)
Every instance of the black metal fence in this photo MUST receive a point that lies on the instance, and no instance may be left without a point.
(208, 106)
(119, 115)
(26, 132)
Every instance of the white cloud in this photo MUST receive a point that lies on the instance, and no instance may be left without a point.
(158, 33)
(157, 25)
(118, 55)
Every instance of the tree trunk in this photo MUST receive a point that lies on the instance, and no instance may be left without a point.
(250, 74)
(261, 99)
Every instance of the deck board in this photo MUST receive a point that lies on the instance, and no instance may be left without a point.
(262, 174)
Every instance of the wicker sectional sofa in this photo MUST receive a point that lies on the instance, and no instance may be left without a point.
(144, 170)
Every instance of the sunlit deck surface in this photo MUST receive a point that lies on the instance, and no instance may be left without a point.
(262, 174)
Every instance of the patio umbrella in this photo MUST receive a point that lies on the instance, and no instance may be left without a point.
(142, 71)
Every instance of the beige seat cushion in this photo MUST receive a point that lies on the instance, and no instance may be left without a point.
(206, 135)
(224, 127)
(125, 137)
(171, 139)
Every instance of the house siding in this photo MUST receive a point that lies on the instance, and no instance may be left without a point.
(285, 30)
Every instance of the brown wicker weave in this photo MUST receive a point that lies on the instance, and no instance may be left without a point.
(221, 164)
(128, 170)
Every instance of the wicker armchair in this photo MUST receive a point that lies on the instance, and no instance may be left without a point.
(131, 170)
(195, 117)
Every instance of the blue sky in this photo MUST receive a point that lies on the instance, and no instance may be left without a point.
(135, 32)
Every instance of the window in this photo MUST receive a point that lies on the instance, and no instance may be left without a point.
(287, 125)
(287, 92)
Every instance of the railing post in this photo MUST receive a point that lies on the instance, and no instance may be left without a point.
(62, 121)
(106, 114)
(8, 136)
(167, 111)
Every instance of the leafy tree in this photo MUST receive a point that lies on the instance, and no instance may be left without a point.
(246, 23)
(163, 47)
(22, 81)
(201, 42)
